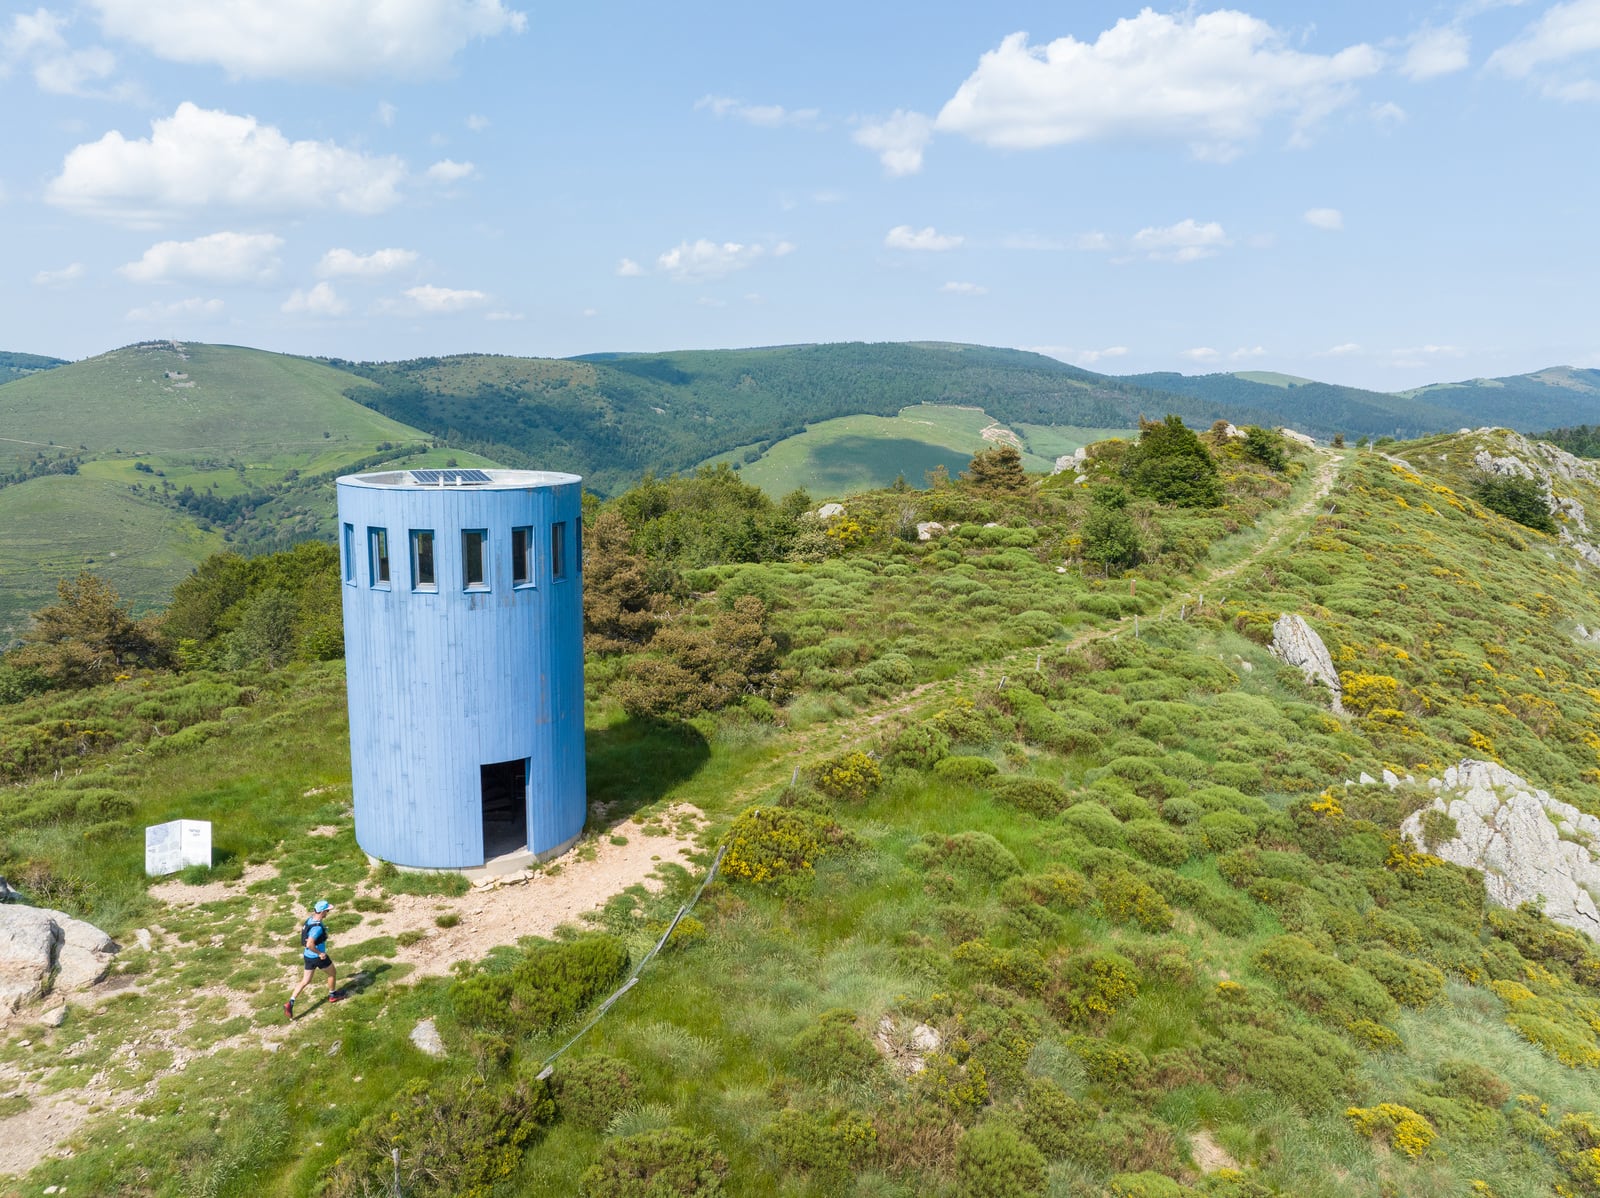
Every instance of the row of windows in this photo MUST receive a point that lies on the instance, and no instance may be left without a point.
(474, 556)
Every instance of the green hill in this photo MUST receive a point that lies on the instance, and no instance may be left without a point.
(141, 461)
(612, 417)
(14, 366)
(1320, 409)
(1556, 396)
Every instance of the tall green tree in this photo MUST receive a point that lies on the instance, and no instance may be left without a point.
(86, 637)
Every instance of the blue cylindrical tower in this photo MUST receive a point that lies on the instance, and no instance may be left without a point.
(463, 640)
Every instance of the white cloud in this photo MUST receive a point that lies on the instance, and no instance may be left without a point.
(1202, 353)
(449, 171)
(386, 114)
(1186, 241)
(428, 298)
(904, 237)
(703, 259)
(1431, 351)
(189, 309)
(477, 123)
(321, 300)
(1328, 219)
(343, 263)
(964, 289)
(71, 74)
(215, 258)
(309, 39)
(1347, 350)
(1078, 357)
(1243, 353)
(898, 140)
(629, 269)
(766, 115)
(201, 158)
(60, 278)
(1563, 32)
(57, 68)
(1387, 115)
(1434, 52)
(30, 32)
(1209, 80)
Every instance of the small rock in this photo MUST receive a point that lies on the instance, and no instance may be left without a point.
(54, 1018)
(271, 1045)
(142, 937)
(929, 529)
(830, 511)
(1367, 779)
(1295, 643)
(1390, 779)
(426, 1037)
(333, 1049)
(924, 1038)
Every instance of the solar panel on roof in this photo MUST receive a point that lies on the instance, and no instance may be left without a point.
(448, 478)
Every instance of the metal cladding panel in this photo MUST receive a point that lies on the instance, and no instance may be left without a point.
(443, 682)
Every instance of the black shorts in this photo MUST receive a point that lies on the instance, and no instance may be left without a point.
(315, 963)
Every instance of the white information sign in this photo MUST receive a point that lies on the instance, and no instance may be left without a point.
(177, 845)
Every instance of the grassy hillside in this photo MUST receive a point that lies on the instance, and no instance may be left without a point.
(119, 463)
(835, 458)
(1317, 408)
(1100, 880)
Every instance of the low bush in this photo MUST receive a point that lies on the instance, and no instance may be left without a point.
(1410, 982)
(458, 1138)
(969, 770)
(828, 1147)
(851, 777)
(1398, 1126)
(1037, 796)
(1059, 889)
(670, 1163)
(918, 747)
(1157, 843)
(1472, 1082)
(1324, 985)
(1095, 822)
(1093, 986)
(768, 844)
(994, 1161)
(1019, 969)
(975, 854)
(1125, 898)
(1053, 1119)
(833, 1049)
(549, 983)
(590, 1090)
(1115, 1066)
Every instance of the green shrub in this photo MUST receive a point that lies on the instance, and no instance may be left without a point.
(1095, 822)
(670, 1163)
(960, 1087)
(457, 1139)
(829, 1147)
(1472, 1082)
(918, 747)
(1093, 986)
(1053, 1119)
(1171, 465)
(851, 777)
(1145, 1185)
(1180, 811)
(1156, 842)
(1037, 796)
(994, 1161)
(1125, 898)
(969, 770)
(590, 1090)
(833, 1049)
(767, 844)
(976, 854)
(1060, 889)
(1224, 831)
(1115, 1066)
(1410, 983)
(1437, 828)
(1017, 969)
(549, 983)
(1517, 498)
(1322, 984)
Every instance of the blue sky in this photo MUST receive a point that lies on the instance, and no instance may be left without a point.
(1376, 193)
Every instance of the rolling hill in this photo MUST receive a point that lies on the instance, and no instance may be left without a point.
(15, 366)
(140, 462)
(1559, 395)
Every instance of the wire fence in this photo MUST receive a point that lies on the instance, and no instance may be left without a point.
(548, 1066)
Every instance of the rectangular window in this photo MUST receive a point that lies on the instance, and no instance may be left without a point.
(522, 557)
(472, 566)
(558, 549)
(577, 547)
(422, 578)
(349, 552)
(378, 556)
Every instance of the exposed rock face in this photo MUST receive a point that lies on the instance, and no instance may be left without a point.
(1529, 846)
(1074, 461)
(830, 511)
(1294, 643)
(1299, 438)
(929, 529)
(1545, 463)
(43, 951)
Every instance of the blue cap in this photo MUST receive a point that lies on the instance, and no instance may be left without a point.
(322, 905)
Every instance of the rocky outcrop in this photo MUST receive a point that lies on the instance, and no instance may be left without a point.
(44, 951)
(830, 511)
(1531, 848)
(1296, 644)
(1074, 461)
(929, 529)
(1544, 464)
(1299, 438)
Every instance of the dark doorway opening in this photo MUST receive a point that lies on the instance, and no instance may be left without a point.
(505, 807)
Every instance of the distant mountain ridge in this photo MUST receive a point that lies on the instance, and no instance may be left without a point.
(16, 366)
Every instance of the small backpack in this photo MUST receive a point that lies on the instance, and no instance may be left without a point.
(305, 931)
